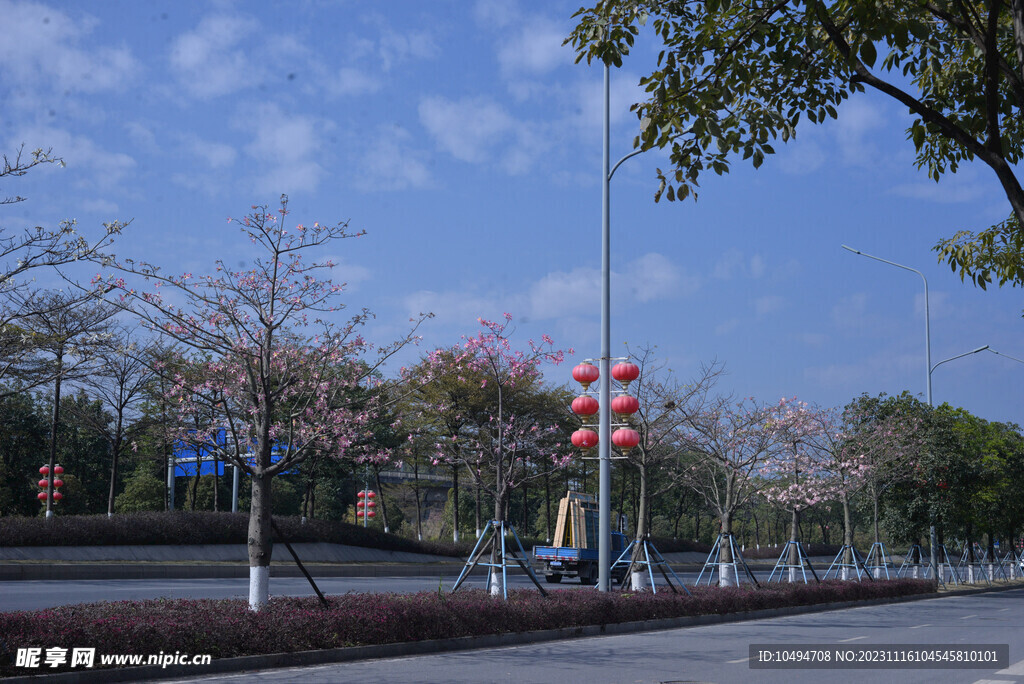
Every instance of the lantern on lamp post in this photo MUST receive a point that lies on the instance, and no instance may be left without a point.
(365, 504)
(50, 484)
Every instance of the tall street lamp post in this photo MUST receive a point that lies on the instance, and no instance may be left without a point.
(604, 510)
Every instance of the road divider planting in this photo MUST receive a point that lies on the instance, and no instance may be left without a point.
(227, 628)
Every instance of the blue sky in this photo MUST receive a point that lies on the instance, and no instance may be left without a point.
(462, 137)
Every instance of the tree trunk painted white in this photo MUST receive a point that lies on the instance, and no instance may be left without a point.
(260, 548)
(259, 586)
(638, 580)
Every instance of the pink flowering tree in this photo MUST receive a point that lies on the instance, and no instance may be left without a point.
(858, 450)
(665, 405)
(735, 444)
(798, 474)
(500, 441)
(261, 360)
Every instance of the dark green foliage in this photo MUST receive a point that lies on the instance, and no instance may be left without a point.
(187, 527)
(226, 628)
(23, 438)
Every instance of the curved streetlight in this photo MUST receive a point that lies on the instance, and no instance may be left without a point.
(928, 368)
(959, 356)
(927, 319)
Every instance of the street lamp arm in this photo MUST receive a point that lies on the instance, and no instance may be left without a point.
(927, 318)
(960, 356)
(619, 163)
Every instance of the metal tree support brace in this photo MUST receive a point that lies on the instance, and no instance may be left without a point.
(783, 564)
(944, 559)
(877, 559)
(979, 560)
(715, 566)
(649, 551)
(497, 530)
(857, 564)
(909, 562)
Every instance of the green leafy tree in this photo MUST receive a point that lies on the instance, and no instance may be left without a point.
(22, 450)
(734, 77)
(142, 492)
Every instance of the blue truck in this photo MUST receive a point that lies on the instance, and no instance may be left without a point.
(556, 562)
(574, 552)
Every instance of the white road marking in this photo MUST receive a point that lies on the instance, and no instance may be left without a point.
(920, 626)
(1016, 669)
(968, 617)
(741, 660)
(843, 641)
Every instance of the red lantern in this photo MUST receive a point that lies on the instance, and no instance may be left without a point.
(584, 439)
(58, 483)
(625, 438)
(371, 504)
(625, 372)
(41, 496)
(58, 469)
(361, 494)
(371, 494)
(57, 496)
(360, 504)
(44, 483)
(586, 373)
(585, 406)
(625, 404)
(359, 514)
(371, 514)
(45, 470)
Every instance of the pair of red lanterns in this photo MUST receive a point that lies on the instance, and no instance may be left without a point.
(366, 504)
(623, 404)
(44, 484)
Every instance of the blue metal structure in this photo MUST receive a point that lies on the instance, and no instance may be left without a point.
(649, 551)
(803, 562)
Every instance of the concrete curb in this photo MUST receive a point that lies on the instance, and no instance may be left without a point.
(355, 653)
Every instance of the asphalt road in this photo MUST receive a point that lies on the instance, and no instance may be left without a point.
(716, 653)
(39, 594)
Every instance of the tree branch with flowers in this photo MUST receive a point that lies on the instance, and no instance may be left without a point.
(280, 391)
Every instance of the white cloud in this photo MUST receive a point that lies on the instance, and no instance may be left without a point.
(858, 119)
(949, 191)
(452, 308)
(491, 14)
(353, 81)
(768, 304)
(90, 164)
(733, 263)
(101, 206)
(757, 266)
(215, 155)
(535, 48)
(391, 164)
(653, 277)
(468, 129)
(209, 61)
(395, 48)
(42, 45)
(562, 294)
(284, 147)
(850, 311)
(726, 327)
